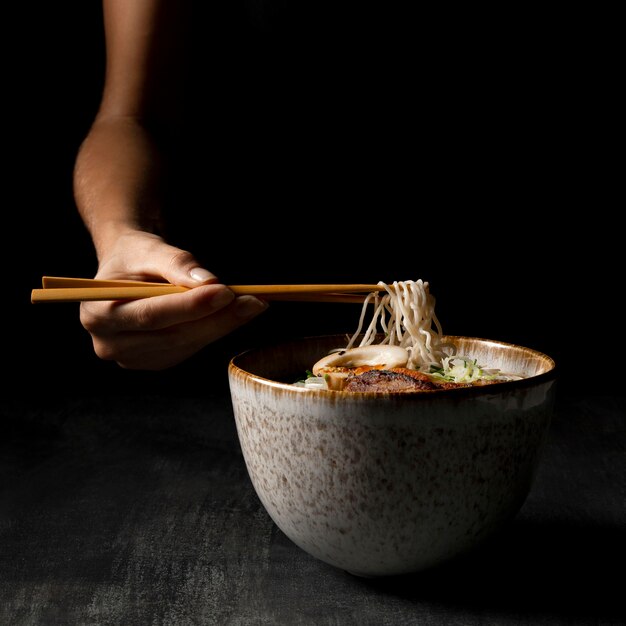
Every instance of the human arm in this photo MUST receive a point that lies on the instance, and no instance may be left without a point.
(117, 182)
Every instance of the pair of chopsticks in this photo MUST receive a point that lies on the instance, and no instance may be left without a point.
(61, 289)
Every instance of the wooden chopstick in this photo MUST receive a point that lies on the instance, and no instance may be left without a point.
(85, 294)
(60, 289)
(58, 282)
(290, 290)
(317, 297)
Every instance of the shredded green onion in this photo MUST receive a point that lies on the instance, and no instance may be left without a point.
(462, 370)
(312, 382)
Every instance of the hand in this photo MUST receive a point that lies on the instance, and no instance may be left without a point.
(159, 332)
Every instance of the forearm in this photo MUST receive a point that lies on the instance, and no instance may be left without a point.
(117, 180)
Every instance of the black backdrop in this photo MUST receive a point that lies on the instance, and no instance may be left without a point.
(531, 257)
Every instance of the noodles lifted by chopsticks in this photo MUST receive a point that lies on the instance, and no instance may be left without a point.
(406, 314)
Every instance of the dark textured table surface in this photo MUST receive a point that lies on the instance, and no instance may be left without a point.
(136, 508)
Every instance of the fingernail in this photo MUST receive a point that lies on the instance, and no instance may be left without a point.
(248, 306)
(222, 298)
(200, 274)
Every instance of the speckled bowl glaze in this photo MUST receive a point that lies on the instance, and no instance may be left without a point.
(390, 483)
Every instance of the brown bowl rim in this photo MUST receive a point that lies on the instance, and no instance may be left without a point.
(495, 388)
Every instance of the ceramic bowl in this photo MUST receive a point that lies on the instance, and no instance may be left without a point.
(390, 483)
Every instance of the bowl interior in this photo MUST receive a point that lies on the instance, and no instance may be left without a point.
(286, 362)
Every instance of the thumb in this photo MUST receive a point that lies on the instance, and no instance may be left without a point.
(180, 267)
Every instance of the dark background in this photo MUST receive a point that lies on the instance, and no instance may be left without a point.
(512, 223)
(125, 493)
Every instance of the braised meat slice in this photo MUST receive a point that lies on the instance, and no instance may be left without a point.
(387, 380)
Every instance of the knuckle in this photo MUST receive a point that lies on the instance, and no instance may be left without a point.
(91, 321)
(144, 316)
(105, 350)
(111, 351)
(180, 258)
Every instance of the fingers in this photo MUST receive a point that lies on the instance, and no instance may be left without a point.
(155, 313)
(142, 255)
(179, 267)
(159, 332)
(169, 346)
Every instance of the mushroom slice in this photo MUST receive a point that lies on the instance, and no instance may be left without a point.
(382, 356)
